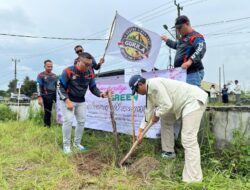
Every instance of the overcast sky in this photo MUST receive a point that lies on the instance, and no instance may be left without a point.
(227, 42)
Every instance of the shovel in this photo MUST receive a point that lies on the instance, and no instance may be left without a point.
(135, 144)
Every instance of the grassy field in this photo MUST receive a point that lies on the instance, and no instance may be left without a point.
(31, 158)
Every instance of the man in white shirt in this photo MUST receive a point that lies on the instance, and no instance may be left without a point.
(213, 94)
(237, 91)
(168, 100)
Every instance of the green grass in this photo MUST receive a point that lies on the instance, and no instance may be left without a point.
(31, 158)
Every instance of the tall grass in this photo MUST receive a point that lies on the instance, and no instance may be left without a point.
(31, 158)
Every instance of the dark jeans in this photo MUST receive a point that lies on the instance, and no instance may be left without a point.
(195, 78)
(47, 103)
(225, 98)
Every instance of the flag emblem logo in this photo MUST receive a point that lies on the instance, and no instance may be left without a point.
(135, 44)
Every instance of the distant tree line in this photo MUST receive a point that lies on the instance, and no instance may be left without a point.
(28, 87)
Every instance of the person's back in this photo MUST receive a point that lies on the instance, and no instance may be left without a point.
(166, 101)
(179, 93)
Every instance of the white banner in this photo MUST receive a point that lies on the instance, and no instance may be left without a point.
(138, 46)
(129, 72)
(98, 112)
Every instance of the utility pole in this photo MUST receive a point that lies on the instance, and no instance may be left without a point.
(223, 71)
(179, 9)
(15, 72)
(219, 83)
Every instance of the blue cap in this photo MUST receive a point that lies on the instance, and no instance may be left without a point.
(133, 82)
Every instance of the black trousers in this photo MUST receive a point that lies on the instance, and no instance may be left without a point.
(47, 104)
(225, 98)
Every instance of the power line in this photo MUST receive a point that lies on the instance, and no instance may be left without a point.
(52, 38)
(194, 3)
(172, 10)
(87, 39)
(230, 44)
(225, 34)
(222, 22)
(156, 9)
(232, 28)
(153, 14)
(102, 31)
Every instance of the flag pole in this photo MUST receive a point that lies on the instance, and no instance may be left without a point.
(133, 118)
(110, 33)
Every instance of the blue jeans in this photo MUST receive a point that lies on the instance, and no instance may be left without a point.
(195, 78)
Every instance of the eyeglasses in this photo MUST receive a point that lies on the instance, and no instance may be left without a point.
(87, 64)
(79, 51)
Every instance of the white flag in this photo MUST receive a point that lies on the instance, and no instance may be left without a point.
(138, 46)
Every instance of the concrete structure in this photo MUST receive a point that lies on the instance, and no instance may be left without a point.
(23, 109)
(222, 119)
(225, 119)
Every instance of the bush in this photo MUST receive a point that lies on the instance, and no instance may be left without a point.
(236, 157)
(36, 115)
(6, 114)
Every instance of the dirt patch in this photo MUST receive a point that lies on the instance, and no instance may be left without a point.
(89, 163)
(144, 166)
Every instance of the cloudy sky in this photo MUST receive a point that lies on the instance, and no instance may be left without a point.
(225, 24)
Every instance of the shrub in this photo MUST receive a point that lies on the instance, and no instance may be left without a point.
(6, 114)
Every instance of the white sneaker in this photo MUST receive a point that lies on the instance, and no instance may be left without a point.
(80, 147)
(66, 150)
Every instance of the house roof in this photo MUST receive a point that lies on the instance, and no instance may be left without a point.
(207, 85)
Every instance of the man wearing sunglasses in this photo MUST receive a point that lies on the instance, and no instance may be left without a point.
(182, 100)
(190, 49)
(73, 84)
(79, 49)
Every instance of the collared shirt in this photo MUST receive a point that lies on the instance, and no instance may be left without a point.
(192, 46)
(46, 83)
(213, 93)
(171, 96)
(237, 89)
(74, 83)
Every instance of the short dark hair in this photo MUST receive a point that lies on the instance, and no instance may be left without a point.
(47, 61)
(84, 55)
(78, 46)
(236, 81)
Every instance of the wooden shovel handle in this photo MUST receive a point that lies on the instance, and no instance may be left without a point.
(135, 144)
